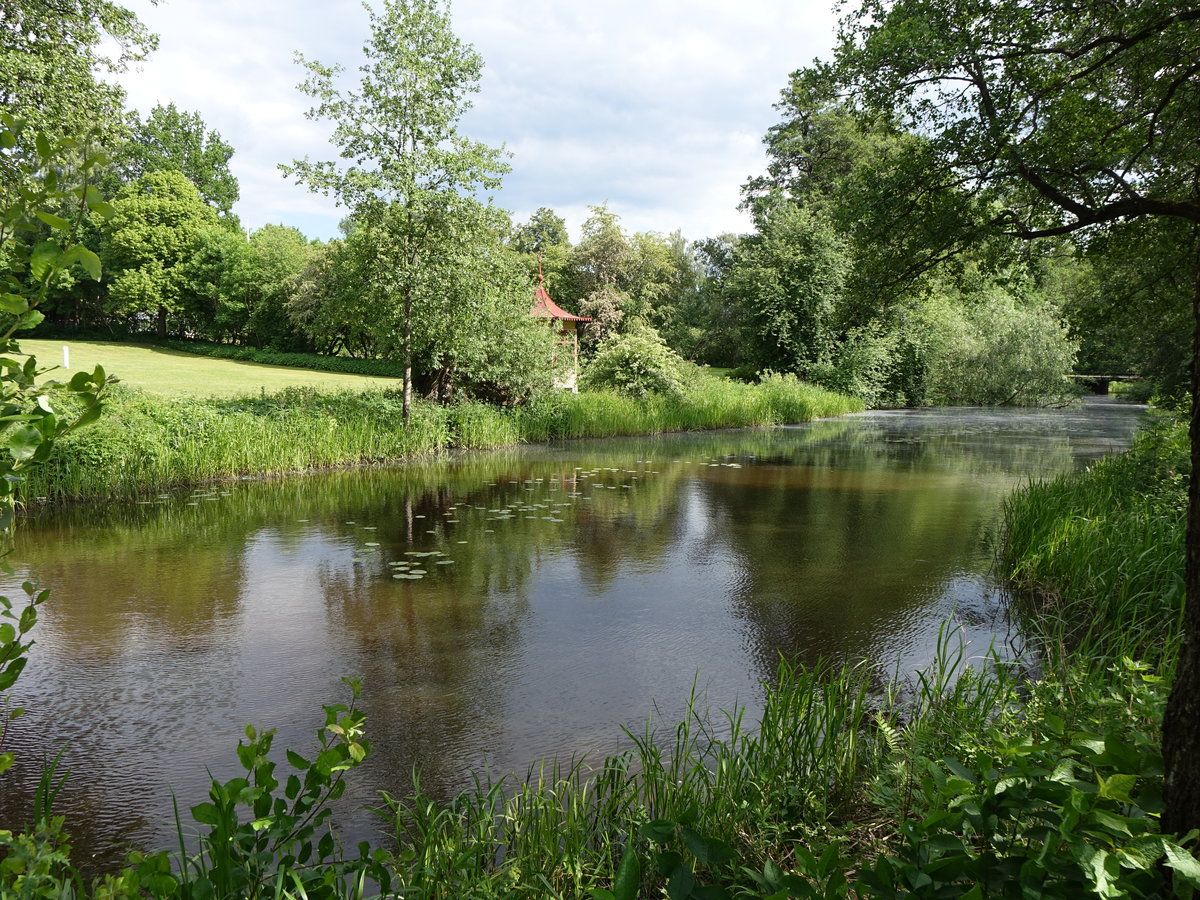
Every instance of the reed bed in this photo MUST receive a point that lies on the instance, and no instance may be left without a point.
(146, 443)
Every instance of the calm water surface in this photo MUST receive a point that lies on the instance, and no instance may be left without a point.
(505, 607)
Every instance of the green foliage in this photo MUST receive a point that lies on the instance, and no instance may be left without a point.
(14, 647)
(279, 255)
(257, 836)
(1134, 313)
(1037, 135)
(545, 229)
(216, 279)
(789, 277)
(413, 171)
(173, 139)
(995, 352)
(30, 426)
(864, 365)
(284, 842)
(637, 363)
(157, 224)
(52, 57)
(1060, 800)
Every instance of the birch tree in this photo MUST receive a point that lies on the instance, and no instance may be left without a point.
(404, 170)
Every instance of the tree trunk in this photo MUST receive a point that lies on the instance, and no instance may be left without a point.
(1181, 725)
(162, 322)
(407, 353)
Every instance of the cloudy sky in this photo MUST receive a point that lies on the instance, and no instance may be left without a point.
(657, 107)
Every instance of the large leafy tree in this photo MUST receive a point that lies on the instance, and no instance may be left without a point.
(544, 230)
(789, 278)
(170, 138)
(52, 53)
(153, 235)
(279, 254)
(1063, 119)
(405, 171)
(544, 246)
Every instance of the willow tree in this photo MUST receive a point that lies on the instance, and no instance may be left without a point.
(1062, 119)
(405, 171)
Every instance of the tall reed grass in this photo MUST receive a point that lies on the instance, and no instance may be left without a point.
(563, 830)
(1096, 557)
(145, 443)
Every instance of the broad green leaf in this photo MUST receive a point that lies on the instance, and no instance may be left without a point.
(24, 442)
(103, 209)
(95, 201)
(58, 223)
(85, 257)
(205, 813)
(1184, 863)
(89, 415)
(42, 258)
(681, 883)
(32, 319)
(629, 876)
(13, 304)
(1117, 787)
(297, 761)
(709, 851)
(659, 831)
(42, 143)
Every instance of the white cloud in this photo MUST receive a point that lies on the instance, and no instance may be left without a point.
(656, 106)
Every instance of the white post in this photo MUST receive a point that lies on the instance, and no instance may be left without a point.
(66, 357)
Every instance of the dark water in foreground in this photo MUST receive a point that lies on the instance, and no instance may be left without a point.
(571, 590)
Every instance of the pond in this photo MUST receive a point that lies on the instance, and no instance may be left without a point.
(505, 607)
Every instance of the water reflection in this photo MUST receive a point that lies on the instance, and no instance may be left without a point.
(508, 606)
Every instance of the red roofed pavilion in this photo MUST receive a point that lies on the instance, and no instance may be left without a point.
(567, 324)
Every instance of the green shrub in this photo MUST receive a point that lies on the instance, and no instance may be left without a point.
(997, 352)
(637, 363)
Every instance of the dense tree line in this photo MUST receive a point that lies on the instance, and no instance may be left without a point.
(854, 275)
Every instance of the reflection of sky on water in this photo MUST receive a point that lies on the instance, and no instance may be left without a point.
(585, 586)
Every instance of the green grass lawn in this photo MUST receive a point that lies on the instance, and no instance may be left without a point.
(172, 373)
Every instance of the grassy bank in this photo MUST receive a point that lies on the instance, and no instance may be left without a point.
(145, 443)
(1097, 557)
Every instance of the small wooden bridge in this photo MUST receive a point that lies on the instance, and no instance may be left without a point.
(1099, 384)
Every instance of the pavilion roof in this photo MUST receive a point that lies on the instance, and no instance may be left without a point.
(546, 308)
